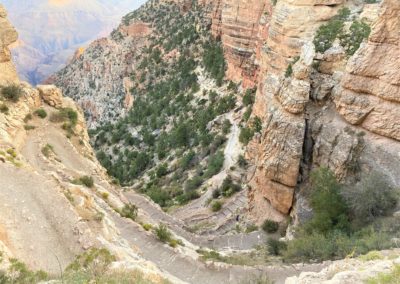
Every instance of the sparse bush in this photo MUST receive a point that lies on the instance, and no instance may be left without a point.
(28, 117)
(352, 40)
(246, 134)
(327, 33)
(216, 206)
(270, 226)
(372, 197)
(275, 247)
(163, 234)
(19, 273)
(11, 92)
(28, 127)
(47, 150)
(386, 278)
(84, 180)
(129, 211)
(4, 108)
(94, 263)
(226, 126)
(162, 170)
(251, 228)
(229, 188)
(147, 227)
(41, 113)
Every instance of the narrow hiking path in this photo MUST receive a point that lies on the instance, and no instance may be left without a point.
(197, 211)
(181, 262)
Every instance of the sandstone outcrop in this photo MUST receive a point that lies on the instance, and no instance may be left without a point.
(369, 95)
(242, 27)
(8, 35)
(278, 150)
(51, 95)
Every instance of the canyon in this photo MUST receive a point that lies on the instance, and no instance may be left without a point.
(51, 31)
(160, 122)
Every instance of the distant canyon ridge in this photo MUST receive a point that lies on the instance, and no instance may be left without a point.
(50, 31)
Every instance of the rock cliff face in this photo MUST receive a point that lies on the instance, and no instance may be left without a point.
(8, 35)
(369, 95)
(99, 80)
(281, 103)
(242, 27)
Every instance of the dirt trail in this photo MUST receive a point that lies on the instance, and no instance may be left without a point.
(34, 205)
(197, 209)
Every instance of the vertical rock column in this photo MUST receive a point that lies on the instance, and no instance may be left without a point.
(280, 103)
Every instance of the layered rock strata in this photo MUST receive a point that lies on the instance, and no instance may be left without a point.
(242, 27)
(369, 95)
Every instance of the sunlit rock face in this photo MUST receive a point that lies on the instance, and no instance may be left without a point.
(8, 35)
(51, 30)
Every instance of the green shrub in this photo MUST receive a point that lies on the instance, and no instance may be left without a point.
(275, 247)
(94, 264)
(84, 180)
(28, 127)
(270, 226)
(147, 227)
(20, 274)
(327, 33)
(386, 278)
(335, 244)
(28, 117)
(352, 40)
(226, 126)
(41, 113)
(329, 208)
(215, 164)
(214, 61)
(162, 170)
(251, 228)
(187, 160)
(4, 108)
(129, 211)
(249, 97)
(12, 92)
(194, 183)
(216, 206)
(228, 187)
(246, 134)
(372, 197)
(162, 233)
(47, 150)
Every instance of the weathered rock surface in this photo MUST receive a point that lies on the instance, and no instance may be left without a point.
(369, 95)
(242, 27)
(356, 271)
(98, 80)
(8, 35)
(51, 95)
(278, 151)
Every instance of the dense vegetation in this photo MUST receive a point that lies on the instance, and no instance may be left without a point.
(171, 139)
(347, 220)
